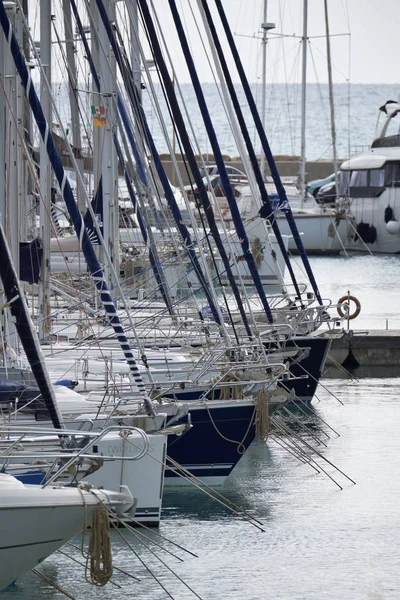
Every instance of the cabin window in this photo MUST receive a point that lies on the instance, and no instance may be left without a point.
(392, 174)
(344, 180)
(377, 177)
(359, 179)
(362, 183)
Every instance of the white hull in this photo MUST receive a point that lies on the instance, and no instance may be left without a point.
(321, 232)
(144, 477)
(35, 522)
(371, 183)
(371, 211)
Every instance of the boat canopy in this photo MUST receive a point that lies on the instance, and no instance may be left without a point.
(365, 161)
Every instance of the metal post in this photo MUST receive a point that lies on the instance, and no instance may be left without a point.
(303, 106)
(331, 102)
(11, 134)
(73, 101)
(104, 146)
(265, 28)
(135, 50)
(3, 187)
(45, 173)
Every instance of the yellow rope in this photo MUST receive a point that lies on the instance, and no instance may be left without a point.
(257, 251)
(99, 552)
(262, 417)
(227, 392)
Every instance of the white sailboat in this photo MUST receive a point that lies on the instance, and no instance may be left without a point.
(36, 521)
(324, 229)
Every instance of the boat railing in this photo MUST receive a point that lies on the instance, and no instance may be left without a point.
(18, 443)
(359, 149)
(276, 372)
(14, 414)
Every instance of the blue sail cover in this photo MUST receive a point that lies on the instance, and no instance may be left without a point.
(9, 390)
(30, 260)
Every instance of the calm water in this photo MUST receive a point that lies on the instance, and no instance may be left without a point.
(356, 114)
(373, 279)
(319, 542)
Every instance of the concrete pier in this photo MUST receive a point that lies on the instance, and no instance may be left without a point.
(364, 353)
(288, 166)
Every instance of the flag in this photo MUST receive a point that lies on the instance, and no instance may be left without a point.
(99, 116)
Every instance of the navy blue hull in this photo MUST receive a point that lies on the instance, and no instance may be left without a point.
(203, 451)
(313, 365)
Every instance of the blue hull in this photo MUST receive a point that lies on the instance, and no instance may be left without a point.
(312, 365)
(204, 451)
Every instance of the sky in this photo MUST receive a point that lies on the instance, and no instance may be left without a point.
(365, 42)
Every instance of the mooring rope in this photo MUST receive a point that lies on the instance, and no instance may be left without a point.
(99, 554)
(53, 584)
(241, 448)
(262, 421)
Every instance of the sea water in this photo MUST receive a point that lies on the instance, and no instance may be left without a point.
(319, 542)
(356, 117)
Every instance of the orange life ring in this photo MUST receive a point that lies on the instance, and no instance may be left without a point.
(346, 300)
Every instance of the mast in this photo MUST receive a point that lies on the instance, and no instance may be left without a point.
(303, 159)
(331, 101)
(145, 229)
(105, 167)
(65, 187)
(240, 229)
(265, 28)
(45, 172)
(266, 210)
(135, 50)
(169, 196)
(11, 151)
(181, 127)
(19, 310)
(73, 102)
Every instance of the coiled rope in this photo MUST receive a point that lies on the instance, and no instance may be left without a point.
(227, 392)
(262, 420)
(99, 555)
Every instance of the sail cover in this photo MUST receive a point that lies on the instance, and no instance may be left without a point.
(30, 260)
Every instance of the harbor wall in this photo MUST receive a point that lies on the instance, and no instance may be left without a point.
(288, 166)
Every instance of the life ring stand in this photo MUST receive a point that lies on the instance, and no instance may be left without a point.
(346, 300)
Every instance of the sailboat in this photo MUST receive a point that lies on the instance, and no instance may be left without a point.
(246, 367)
(324, 228)
(36, 521)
